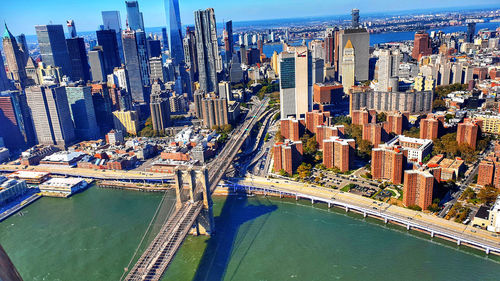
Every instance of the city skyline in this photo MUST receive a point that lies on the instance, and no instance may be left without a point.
(154, 12)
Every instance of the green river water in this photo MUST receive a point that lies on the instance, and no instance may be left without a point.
(93, 235)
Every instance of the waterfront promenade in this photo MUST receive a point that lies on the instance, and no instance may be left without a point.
(435, 226)
(123, 175)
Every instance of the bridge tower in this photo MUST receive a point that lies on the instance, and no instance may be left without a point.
(192, 185)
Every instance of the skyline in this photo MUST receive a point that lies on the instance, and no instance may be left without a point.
(154, 12)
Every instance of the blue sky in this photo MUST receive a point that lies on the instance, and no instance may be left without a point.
(22, 15)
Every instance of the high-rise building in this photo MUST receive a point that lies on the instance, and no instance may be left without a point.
(292, 128)
(107, 39)
(467, 133)
(53, 49)
(207, 48)
(296, 87)
(287, 156)
(175, 27)
(471, 32)
(134, 16)
(17, 126)
(71, 28)
(164, 37)
(102, 106)
(388, 68)
(360, 41)
(126, 121)
(337, 153)
(355, 18)
(154, 47)
(418, 187)
(142, 51)
(96, 60)
(388, 164)
(348, 67)
(228, 40)
(51, 115)
(421, 45)
(191, 58)
(374, 133)
(4, 81)
(160, 107)
(133, 67)
(431, 127)
(316, 118)
(111, 20)
(15, 58)
(157, 70)
(23, 46)
(78, 57)
(82, 111)
(198, 101)
(214, 112)
(396, 122)
(410, 101)
(363, 116)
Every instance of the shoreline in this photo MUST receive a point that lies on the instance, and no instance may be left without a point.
(225, 193)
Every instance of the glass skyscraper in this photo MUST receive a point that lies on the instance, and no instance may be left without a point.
(134, 16)
(133, 65)
(53, 47)
(174, 26)
(112, 20)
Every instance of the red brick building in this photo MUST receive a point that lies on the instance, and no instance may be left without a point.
(327, 93)
(396, 123)
(373, 133)
(421, 45)
(431, 127)
(325, 132)
(337, 153)
(314, 119)
(363, 116)
(292, 128)
(388, 164)
(467, 132)
(287, 156)
(418, 188)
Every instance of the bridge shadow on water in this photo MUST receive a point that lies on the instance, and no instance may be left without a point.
(235, 212)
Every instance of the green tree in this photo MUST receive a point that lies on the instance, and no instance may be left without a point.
(488, 194)
(278, 137)
(304, 170)
(439, 105)
(283, 173)
(381, 117)
(413, 132)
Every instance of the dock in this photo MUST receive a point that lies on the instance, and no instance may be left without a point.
(20, 206)
(133, 186)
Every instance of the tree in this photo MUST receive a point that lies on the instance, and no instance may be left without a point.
(488, 194)
(438, 105)
(283, 173)
(467, 153)
(414, 132)
(364, 148)
(304, 170)
(381, 117)
(278, 137)
(415, 207)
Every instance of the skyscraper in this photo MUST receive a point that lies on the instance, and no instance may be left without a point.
(191, 57)
(96, 60)
(51, 115)
(160, 107)
(142, 51)
(15, 58)
(111, 20)
(228, 40)
(296, 87)
(154, 47)
(355, 18)
(207, 49)
(17, 126)
(164, 37)
(82, 111)
(107, 39)
(174, 26)
(348, 67)
(53, 47)
(418, 187)
(71, 28)
(132, 65)
(421, 45)
(360, 40)
(134, 16)
(23, 46)
(471, 32)
(214, 112)
(78, 56)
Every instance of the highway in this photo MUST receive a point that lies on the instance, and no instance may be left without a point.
(427, 221)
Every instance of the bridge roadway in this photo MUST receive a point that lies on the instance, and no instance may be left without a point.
(435, 226)
(157, 257)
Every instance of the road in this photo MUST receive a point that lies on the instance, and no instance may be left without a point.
(424, 219)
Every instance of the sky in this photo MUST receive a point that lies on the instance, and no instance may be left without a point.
(22, 15)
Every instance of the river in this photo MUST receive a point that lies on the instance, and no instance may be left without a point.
(92, 236)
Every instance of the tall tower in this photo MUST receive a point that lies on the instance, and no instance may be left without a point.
(174, 26)
(132, 65)
(4, 81)
(15, 58)
(228, 40)
(471, 31)
(355, 18)
(107, 39)
(348, 67)
(207, 48)
(53, 47)
(78, 57)
(71, 28)
(134, 16)
(82, 112)
(421, 45)
(51, 115)
(112, 20)
(160, 107)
